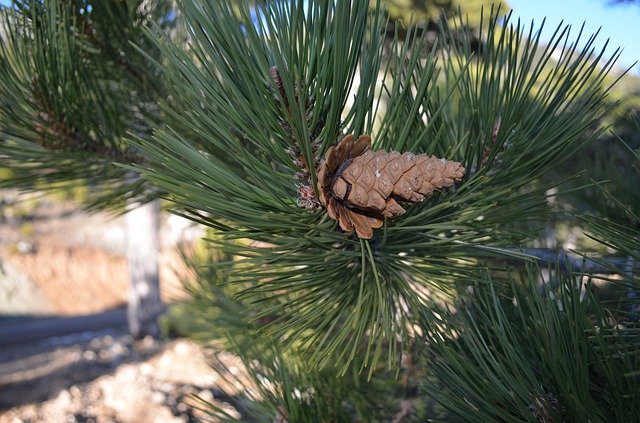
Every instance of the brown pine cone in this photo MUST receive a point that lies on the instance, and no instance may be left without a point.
(360, 188)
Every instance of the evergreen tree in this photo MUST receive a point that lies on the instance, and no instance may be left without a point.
(359, 284)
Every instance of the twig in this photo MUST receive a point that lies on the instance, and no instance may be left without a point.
(632, 291)
(566, 261)
(55, 134)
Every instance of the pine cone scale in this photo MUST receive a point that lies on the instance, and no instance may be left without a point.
(360, 188)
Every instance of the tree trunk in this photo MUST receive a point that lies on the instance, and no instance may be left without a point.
(144, 305)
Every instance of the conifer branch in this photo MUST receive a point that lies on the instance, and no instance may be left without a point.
(566, 261)
(223, 157)
(56, 134)
(87, 28)
(120, 60)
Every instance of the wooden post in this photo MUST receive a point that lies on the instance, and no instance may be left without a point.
(145, 305)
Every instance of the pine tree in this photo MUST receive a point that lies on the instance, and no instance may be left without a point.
(352, 299)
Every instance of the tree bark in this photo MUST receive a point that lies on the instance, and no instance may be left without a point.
(145, 305)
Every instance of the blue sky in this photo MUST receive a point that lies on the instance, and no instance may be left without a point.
(619, 23)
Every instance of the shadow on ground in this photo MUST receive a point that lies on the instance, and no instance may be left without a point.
(41, 356)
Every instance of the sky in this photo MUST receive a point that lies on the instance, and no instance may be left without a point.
(619, 23)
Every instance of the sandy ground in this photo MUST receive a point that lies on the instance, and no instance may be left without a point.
(59, 260)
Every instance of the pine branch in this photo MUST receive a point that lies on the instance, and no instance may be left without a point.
(57, 135)
(90, 34)
(224, 159)
(73, 86)
(88, 29)
(633, 293)
(566, 261)
(515, 355)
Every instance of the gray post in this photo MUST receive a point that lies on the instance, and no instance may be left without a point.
(144, 306)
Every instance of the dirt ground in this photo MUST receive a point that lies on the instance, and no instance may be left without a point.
(113, 379)
(57, 261)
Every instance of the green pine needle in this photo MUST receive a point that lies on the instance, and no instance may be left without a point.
(508, 116)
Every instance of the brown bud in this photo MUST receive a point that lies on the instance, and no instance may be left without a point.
(360, 188)
(306, 197)
(277, 79)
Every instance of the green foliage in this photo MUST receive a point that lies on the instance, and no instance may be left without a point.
(423, 11)
(517, 355)
(338, 298)
(613, 165)
(415, 11)
(285, 387)
(275, 382)
(72, 86)
(616, 226)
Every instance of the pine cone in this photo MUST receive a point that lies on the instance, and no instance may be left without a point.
(360, 188)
